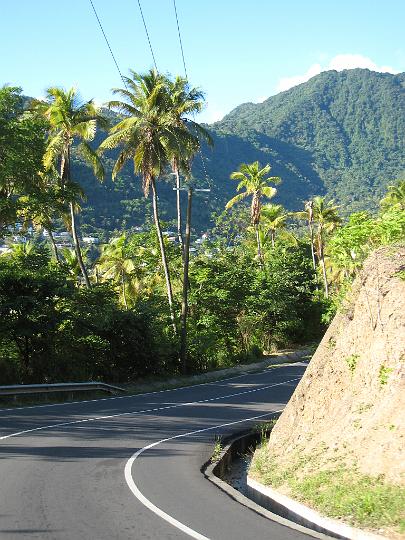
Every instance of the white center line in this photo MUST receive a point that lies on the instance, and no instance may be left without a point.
(144, 411)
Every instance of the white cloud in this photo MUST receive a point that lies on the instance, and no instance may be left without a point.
(210, 115)
(339, 63)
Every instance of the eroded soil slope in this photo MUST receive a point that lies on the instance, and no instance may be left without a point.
(350, 406)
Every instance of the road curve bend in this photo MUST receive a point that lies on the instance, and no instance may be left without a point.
(128, 467)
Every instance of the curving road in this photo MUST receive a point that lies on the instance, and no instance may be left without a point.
(129, 467)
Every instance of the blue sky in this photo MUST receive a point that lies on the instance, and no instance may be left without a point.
(236, 50)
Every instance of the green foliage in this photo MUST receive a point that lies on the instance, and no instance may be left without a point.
(22, 144)
(383, 374)
(237, 309)
(218, 448)
(338, 492)
(353, 242)
(351, 362)
(362, 500)
(50, 330)
(341, 133)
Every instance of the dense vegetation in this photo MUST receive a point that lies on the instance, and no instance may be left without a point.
(341, 134)
(265, 277)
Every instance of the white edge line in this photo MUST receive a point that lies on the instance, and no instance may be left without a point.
(146, 502)
(246, 374)
(145, 411)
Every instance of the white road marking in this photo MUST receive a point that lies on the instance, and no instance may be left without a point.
(145, 411)
(146, 502)
(244, 374)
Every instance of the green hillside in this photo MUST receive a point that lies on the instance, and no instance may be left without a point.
(341, 134)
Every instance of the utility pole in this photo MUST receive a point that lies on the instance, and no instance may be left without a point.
(184, 301)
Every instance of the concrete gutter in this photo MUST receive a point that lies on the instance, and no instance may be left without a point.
(273, 505)
(299, 513)
(214, 471)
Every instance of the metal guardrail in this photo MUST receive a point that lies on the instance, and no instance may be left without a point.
(57, 387)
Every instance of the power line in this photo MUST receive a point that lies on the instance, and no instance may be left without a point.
(147, 34)
(108, 43)
(185, 71)
(181, 43)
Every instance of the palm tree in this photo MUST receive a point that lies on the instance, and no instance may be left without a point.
(395, 196)
(324, 215)
(149, 136)
(71, 120)
(308, 215)
(184, 101)
(253, 180)
(115, 265)
(274, 219)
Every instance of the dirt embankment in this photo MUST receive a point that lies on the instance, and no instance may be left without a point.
(350, 405)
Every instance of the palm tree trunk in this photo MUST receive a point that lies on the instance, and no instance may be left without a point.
(322, 258)
(259, 247)
(179, 224)
(311, 233)
(163, 255)
(77, 246)
(65, 177)
(55, 249)
(184, 303)
(123, 291)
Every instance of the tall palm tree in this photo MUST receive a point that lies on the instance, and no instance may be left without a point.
(254, 180)
(274, 218)
(149, 136)
(184, 101)
(308, 216)
(71, 119)
(324, 214)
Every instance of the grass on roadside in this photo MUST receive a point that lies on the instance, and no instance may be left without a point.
(338, 492)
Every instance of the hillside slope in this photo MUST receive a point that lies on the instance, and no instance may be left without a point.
(347, 413)
(340, 134)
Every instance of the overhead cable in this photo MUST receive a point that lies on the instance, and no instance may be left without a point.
(185, 71)
(108, 43)
(147, 34)
(181, 43)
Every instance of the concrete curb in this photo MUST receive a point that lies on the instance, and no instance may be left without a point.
(270, 498)
(275, 506)
(213, 471)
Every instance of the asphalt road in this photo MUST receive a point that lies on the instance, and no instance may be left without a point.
(81, 470)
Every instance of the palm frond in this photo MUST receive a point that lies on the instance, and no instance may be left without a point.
(92, 158)
(236, 199)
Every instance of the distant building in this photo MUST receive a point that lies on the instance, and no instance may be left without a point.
(90, 240)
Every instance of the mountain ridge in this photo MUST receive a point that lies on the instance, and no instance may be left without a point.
(340, 134)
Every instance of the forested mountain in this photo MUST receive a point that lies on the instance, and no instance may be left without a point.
(340, 134)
